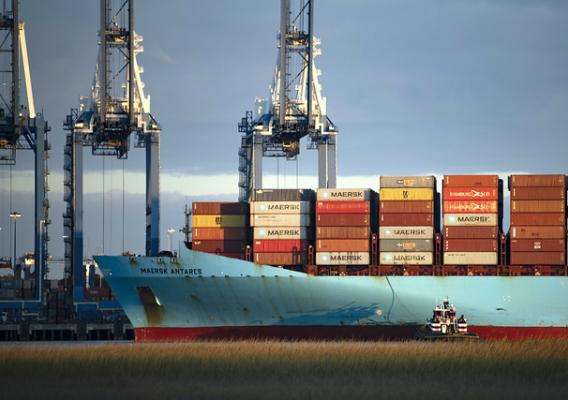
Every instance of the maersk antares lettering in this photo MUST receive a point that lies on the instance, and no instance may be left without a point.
(171, 271)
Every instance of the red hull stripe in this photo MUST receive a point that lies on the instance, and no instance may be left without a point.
(331, 333)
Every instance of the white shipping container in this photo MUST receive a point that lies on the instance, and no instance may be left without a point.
(280, 207)
(344, 194)
(280, 233)
(273, 220)
(342, 258)
(406, 232)
(406, 258)
(470, 258)
(408, 181)
(470, 219)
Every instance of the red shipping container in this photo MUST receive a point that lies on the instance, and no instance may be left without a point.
(222, 208)
(470, 207)
(220, 233)
(280, 246)
(470, 245)
(350, 245)
(343, 207)
(538, 180)
(220, 246)
(343, 232)
(538, 245)
(471, 232)
(537, 232)
(343, 220)
(403, 207)
(471, 181)
(538, 258)
(476, 193)
(406, 220)
(538, 193)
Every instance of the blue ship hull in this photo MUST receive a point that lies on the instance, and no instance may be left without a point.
(200, 295)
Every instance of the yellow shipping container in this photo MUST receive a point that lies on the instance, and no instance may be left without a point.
(219, 221)
(406, 194)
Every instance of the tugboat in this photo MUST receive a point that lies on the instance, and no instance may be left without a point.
(444, 325)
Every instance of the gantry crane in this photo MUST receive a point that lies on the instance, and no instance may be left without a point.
(116, 108)
(21, 128)
(295, 108)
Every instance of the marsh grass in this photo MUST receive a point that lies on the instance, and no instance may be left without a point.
(287, 370)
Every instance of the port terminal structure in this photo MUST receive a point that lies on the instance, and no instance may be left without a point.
(22, 128)
(105, 121)
(294, 109)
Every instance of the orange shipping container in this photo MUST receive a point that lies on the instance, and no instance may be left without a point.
(343, 232)
(480, 193)
(538, 206)
(471, 181)
(406, 220)
(300, 258)
(470, 207)
(538, 180)
(413, 207)
(538, 258)
(342, 220)
(538, 193)
(537, 232)
(538, 245)
(351, 245)
(220, 233)
(222, 208)
(539, 219)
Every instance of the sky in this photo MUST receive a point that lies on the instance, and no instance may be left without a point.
(414, 86)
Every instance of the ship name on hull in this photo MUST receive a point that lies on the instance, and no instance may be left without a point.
(172, 271)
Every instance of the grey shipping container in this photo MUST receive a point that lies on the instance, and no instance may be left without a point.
(283, 195)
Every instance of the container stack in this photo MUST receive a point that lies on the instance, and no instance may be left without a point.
(472, 219)
(283, 225)
(538, 220)
(407, 220)
(345, 219)
(220, 228)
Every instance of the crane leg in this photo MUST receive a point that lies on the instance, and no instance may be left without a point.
(327, 167)
(153, 194)
(40, 202)
(79, 278)
(257, 163)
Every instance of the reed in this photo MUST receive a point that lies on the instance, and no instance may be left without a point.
(286, 370)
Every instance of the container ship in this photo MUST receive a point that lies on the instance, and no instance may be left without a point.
(359, 263)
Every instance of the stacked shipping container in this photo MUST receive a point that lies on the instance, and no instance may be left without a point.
(538, 220)
(407, 220)
(345, 219)
(472, 219)
(220, 228)
(283, 225)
